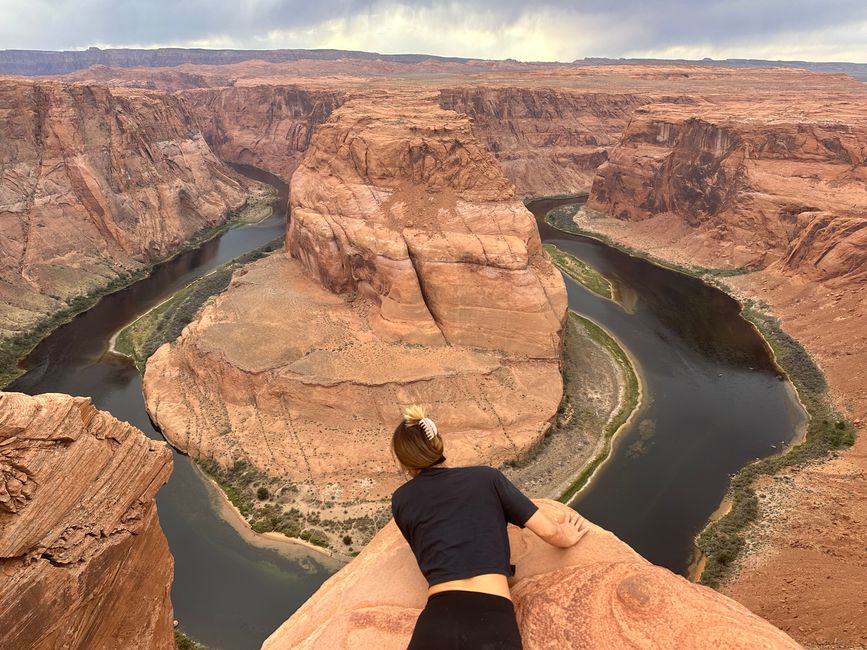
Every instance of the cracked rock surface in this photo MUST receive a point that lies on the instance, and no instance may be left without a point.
(84, 562)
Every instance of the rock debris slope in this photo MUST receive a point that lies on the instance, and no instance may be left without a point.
(83, 559)
(597, 594)
(415, 275)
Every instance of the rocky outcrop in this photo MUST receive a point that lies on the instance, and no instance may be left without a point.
(549, 141)
(597, 594)
(751, 183)
(84, 561)
(95, 183)
(416, 276)
(265, 125)
(397, 201)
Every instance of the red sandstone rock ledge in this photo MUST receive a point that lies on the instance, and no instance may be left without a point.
(83, 560)
(597, 594)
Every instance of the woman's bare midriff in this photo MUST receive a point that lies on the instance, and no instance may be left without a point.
(487, 583)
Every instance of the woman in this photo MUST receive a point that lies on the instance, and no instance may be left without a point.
(454, 519)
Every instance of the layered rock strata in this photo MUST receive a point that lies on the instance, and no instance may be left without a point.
(549, 141)
(84, 561)
(415, 276)
(95, 183)
(265, 125)
(752, 186)
(597, 594)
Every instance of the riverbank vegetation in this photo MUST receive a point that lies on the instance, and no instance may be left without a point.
(15, 348)
(164, 323)
(580, 271)
(630, 401)
(183, 642)
(267, 505)
(827, 431)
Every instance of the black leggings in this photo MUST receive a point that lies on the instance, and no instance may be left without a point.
(466, 620)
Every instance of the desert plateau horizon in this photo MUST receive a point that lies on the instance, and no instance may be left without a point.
(635, 285)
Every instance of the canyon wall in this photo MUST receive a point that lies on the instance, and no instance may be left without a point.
(753, 185)
(596, 594)
(548, 140)
(95, 183)
(84, 562)
(265, 125)
(415, 275)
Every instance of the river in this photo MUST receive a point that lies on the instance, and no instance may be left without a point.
(713, 399)
(713, 402)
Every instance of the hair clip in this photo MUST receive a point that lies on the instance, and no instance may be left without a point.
(430, 429)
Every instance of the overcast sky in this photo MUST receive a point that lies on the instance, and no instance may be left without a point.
(536, 30)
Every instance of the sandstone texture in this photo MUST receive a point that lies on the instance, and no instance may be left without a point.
(83, 559)
(397, 201)
(597, 594)
(548, 140)
(753, 184)
(267, 126)
(96, 183)
(415, 275)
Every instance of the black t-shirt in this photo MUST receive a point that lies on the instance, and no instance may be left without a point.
(454, 519)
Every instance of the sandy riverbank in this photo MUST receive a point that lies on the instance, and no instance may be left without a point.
(290, 547)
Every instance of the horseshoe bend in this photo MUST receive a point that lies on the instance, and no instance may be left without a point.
(411, 271)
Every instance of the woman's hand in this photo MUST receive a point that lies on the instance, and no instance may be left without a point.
(561, 533)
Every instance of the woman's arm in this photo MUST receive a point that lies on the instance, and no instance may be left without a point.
(562, 534)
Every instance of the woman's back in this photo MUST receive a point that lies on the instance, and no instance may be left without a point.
(455, 520)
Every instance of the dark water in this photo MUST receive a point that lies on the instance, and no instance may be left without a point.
(226, 593)
(713, 400)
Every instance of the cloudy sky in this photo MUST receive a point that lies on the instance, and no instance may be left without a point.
(531, 30)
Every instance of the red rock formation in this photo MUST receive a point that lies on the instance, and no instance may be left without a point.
(779, 181)
(93, 183)
(750, 182)
(265, 125)
(419, 278)
(597, 594)
(83, 559)
(396, 200)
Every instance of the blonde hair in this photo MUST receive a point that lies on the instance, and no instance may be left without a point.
(416, 442)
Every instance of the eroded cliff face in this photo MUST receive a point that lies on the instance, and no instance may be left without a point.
(597, 594)
(265, 125)
(84, 561)
(753, 189)
(548, 141)
(94, 183)
(416, 276)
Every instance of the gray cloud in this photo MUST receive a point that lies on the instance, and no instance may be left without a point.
(818, 28)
